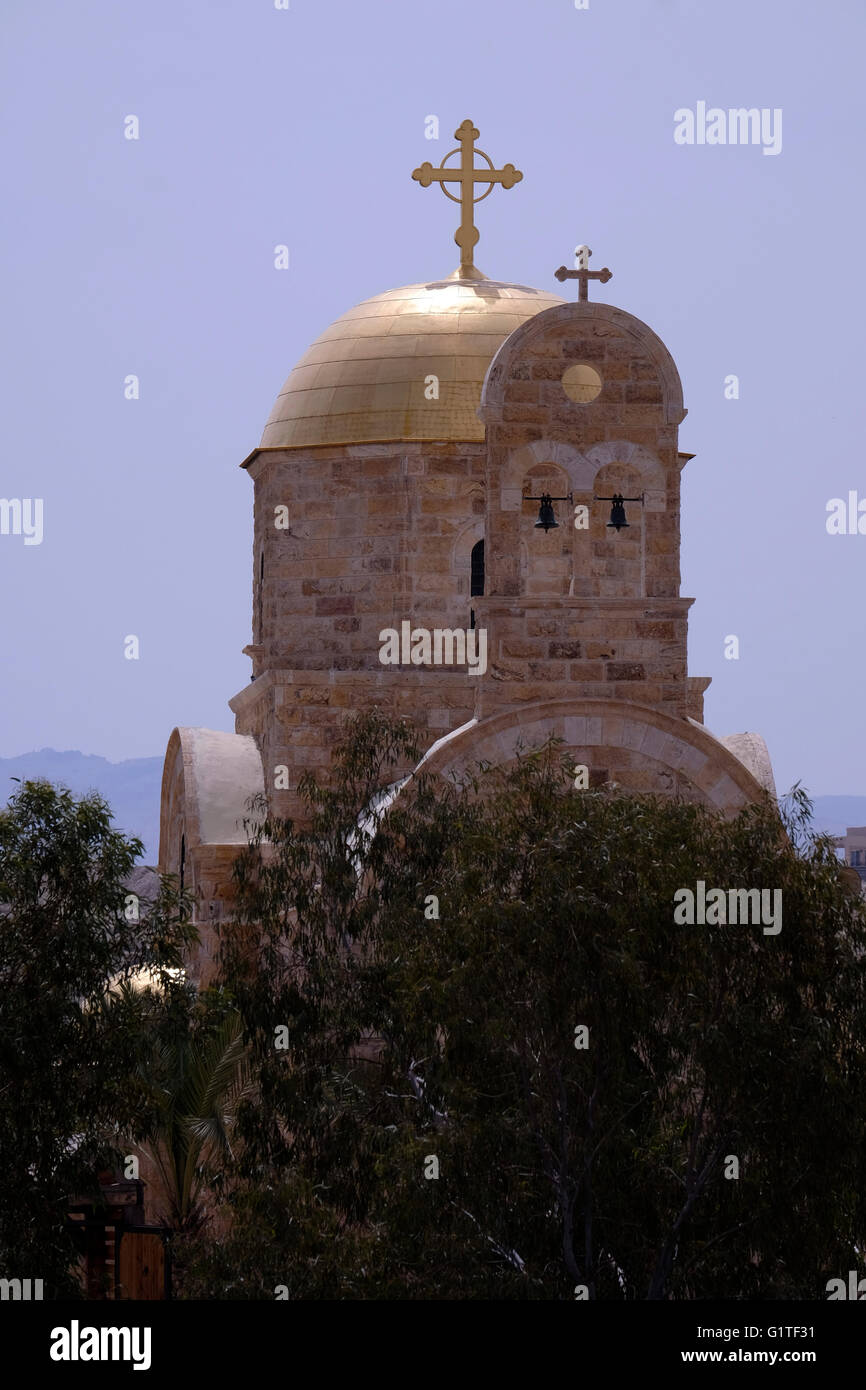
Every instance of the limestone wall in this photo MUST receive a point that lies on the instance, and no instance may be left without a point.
(582, 399)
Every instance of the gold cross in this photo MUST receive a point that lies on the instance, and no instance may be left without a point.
(467, 176)
(583, 273)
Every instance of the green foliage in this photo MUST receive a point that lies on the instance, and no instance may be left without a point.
(412, 1036)
(71, 1025)
(195, 1064)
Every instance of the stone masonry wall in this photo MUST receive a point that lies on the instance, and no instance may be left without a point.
(617, 628)
(378, 534)
(382, 533)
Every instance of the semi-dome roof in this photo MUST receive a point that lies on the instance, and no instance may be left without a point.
(364, 379)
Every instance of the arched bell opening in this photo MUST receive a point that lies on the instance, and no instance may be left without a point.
(614, 541)
(545, 526)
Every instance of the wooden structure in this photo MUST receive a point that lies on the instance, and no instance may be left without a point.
(121, 1256)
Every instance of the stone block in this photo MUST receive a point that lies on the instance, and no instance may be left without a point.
(586, 671)
(567, 651)
(663, 630)
(547, 670)
(516, 647)
(652, 742)
(575, 729)
(624, 671)
(593, 731)
(613, 730)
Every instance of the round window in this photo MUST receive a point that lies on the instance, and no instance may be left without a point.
(581, 383)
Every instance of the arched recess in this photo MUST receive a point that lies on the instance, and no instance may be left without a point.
(613, 561)
(476, 574)
(577, 559)
(570, 463)
(461, 556)
(645, 463)
(581, 469)
(638, 748)
(549, 567)
(461, 559)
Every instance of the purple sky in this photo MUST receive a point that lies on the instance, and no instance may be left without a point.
(261, 126)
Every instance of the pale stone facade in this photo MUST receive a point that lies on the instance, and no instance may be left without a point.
(373, 486)
(853, 846)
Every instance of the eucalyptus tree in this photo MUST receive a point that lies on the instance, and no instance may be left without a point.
(73, 938)
(495, 1059)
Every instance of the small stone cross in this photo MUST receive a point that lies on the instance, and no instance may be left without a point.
(583, 273)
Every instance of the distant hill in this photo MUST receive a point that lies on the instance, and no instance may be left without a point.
(131, 788)
(835, 813)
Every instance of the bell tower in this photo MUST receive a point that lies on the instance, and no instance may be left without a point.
(480, 467)
(581, 407)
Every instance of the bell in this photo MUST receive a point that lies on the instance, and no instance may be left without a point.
(617, 512)
(546, 515)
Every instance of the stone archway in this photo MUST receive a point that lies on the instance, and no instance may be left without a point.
(638, 748)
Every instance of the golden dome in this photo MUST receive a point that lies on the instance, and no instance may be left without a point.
(364, 379)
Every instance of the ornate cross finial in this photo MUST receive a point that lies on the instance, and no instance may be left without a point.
(583, 272)
(467, 176)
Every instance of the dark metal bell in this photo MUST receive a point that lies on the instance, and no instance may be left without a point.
(546, 515)
(617, 512)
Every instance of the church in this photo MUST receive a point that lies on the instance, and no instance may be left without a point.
(486, 462)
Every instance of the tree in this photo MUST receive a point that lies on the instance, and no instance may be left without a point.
(71, 1028)
(512, 1073)
(196, 1068)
